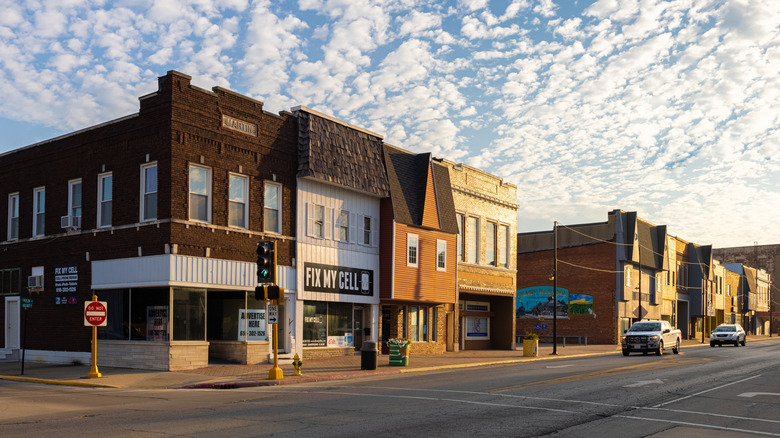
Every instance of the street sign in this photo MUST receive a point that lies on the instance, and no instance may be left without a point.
(95, 314)
(273, 314)
(27, 303)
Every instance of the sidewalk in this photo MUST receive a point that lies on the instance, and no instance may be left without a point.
(314, 370)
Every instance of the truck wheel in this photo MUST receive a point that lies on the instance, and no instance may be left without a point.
(676, 349)
(660, 350)
(625, 352)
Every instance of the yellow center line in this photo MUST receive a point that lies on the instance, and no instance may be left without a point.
(605, 373)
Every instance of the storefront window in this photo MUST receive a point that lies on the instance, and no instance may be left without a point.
(136, 314)
(234, 316)
(189, 315)
(418, 322)
(327, 324)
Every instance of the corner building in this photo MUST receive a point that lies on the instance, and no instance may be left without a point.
(157, 213)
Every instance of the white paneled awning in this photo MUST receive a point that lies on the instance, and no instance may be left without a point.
(173, 270)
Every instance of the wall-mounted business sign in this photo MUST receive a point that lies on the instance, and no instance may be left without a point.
(337, 279)
(66, 283)
(239, 125)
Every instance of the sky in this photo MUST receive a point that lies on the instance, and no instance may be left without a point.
(666, 108)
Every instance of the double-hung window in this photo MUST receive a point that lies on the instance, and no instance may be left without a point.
(490, 243)
(503, 246)
(441, 255)
(461, 225)
(74, 198)
(272, 208)
(39, 211)
(412, 250)
(237, 201)
(365, 230)
(149, 192)
(200, 194)
(472, 240)
(13, 216)
(105, 199)
(342, 226)
(316, 221)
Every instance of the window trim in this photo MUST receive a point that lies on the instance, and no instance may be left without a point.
(100, 201)
(11, 197)
(141, 209)
(438, 252)
(209, 193)
(460, 242)
(36, 191)
(245, 181)
(506, 246)
(280, 200)
(412, 238)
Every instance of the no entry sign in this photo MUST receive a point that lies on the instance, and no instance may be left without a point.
(95, 314)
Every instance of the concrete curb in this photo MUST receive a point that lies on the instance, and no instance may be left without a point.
(57, 382)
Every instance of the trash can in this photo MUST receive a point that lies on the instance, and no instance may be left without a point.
(399, 354)
(368, 355)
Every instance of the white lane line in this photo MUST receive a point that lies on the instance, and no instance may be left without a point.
(503, 405)
(705, 391)
(707, 426)
(753, 394)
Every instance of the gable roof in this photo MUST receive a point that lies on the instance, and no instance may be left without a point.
(408, 174)
(339, 153)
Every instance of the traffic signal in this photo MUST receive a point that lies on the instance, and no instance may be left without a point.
(274, 293)
(266, 261)
(266, 293)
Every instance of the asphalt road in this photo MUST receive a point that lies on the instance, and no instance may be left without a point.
(712, 392)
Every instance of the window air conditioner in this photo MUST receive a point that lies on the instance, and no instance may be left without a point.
(73, 222)
(35, 281)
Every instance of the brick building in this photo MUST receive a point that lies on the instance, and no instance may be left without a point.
(486, 213)
(158, 214)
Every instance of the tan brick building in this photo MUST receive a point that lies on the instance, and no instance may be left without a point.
(486, 212)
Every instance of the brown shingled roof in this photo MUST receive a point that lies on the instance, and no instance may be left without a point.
(339, 153)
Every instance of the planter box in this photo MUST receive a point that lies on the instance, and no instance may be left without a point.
(530, 347)
(399, 356)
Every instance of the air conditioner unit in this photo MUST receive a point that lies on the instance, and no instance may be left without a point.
(73, 222)
(35, 282)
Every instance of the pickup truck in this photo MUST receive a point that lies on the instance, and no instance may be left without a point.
(647, 336)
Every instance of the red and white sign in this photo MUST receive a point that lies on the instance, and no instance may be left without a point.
(95, 314)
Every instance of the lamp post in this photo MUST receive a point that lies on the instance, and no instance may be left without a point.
(555, 289)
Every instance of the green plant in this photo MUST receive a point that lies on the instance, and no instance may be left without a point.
(532, 336)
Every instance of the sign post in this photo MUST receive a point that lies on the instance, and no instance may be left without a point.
(27, 304)
(95, 314)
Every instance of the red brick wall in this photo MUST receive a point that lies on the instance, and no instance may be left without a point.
(534, 269)
(174, 127)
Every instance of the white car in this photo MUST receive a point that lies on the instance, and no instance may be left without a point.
(728, 334)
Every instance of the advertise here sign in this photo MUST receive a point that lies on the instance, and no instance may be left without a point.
(252, 325)
(338, 279)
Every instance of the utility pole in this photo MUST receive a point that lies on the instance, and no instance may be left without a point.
(555, 289)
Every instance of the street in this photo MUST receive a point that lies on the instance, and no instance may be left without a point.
(722, 391)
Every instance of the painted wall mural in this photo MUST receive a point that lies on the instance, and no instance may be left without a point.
(537, 303)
